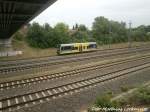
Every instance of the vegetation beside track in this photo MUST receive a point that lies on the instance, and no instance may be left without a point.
(138, 98)
(37, 40)
(103, 31)
(29, 52)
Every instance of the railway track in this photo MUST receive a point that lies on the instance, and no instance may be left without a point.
(53, 58)
(50, 58)
(30, 60)
(69, 73)
(29, 99)
(6, 70)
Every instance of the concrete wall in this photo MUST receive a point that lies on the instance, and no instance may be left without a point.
(10, 53)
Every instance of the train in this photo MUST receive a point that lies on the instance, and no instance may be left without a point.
(76, 48)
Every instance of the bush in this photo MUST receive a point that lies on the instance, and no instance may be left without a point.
(104, 31)
(46, 37)
(124, 89)
(18, 36)
(123, 102)
(142, 96)
(105, 102)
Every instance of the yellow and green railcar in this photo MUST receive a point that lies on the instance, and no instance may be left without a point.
(76, 48)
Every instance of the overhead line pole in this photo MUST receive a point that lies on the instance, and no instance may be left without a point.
(110, 35)
(129, 34)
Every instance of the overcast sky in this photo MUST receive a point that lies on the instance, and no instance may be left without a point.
(84, 11)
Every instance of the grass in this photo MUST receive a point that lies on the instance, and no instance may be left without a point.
(125, 88)
(138, 98)
(29, 52)
(104, 101)
(141, 96)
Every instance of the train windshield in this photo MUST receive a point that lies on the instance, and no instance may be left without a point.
(92, 46)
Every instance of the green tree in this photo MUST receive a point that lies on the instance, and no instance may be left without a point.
(103, 31)
(100, 29)
(76, 26)
(61, 33)
(45, 36)
(106, 31)
(80, 36)
(83, 28)
(34, 35)
(139, 33)
(38, 36)
(47, 27)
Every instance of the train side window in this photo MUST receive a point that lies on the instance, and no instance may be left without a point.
(74, 48)
(67, 48)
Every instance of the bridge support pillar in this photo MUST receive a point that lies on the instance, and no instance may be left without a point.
(5, 45)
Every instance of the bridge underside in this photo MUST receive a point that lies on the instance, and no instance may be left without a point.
(15, 13)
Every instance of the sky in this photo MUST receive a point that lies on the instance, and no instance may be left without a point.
(84, 12)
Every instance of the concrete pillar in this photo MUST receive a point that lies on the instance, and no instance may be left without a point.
(5, 45)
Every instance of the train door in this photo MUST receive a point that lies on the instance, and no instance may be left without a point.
(84, 47)
(80, 48)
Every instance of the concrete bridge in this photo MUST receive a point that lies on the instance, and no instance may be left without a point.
(16, 13)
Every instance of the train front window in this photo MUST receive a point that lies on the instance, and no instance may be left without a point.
(65, 48)
(92, 46)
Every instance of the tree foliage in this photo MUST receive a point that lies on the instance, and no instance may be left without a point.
(46, 36)
(104, 31)
(80, 33)
(18, 36)
(142, 96)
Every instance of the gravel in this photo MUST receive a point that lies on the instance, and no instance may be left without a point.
(54, 83)
(80, 101)
(60, 66)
